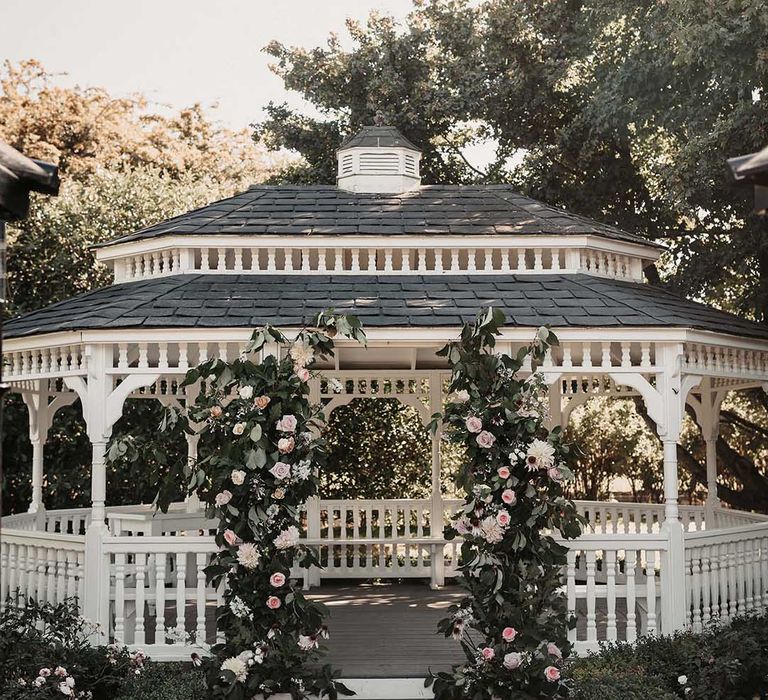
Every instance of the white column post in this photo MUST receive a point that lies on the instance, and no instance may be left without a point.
(436, 508)
(709, 421)
(39, 423)
(673, 393)
(555, 400)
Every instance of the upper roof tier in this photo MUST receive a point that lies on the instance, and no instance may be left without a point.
(430, 210)
(378, 219)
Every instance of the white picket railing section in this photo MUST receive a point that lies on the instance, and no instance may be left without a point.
(616, 578)
(159, 598)
(726, 573)
(44, 566)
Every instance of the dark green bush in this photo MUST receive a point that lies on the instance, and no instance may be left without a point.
(165, 681)
(722, 663)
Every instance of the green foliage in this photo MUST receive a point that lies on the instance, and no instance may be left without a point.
(44, 645)
(722, 663)
(623, 111)
(377, 448)
(614, 442)
(164, 681)
(257, 465)
(513, 625)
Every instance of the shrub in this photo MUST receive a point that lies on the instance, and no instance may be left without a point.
(165, 681)
(45, 652)
(725, 662)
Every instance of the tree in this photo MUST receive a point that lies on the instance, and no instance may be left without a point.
(623, 111)
(377, 448)
(123, 167)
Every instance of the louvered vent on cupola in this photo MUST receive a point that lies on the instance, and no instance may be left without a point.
(378, 159)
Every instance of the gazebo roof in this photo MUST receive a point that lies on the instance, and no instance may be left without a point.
(427, 210)
(230, 301)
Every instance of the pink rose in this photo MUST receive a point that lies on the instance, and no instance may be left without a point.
(503, 518)
(474, 424)
(485, 439)
(509, 634)
(488, 653)
(281, 470)
(552, 674)
(223, 498)
(302, 373)
(231, 538)
(286, 445)
(512, 660)
(277, 579)
(555, 474)
(503, 472)
(509, 497)
(287, 424)
(273, 602)
(554, 650)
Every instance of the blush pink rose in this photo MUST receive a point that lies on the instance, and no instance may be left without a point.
(554, 650)
(287, 424)
(281, 470)
(223, 498)
(555, 474)
(552, 674)
(473, 424)
(302, 373)
(485, 439)
(277, 579)
(273, 602)
(509, 634)
(503, 472)
(509, 497)
(231, 538)
(512, 660)
(503, 518)
(488, 653)
(286, 445)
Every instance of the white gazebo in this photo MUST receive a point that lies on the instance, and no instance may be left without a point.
(413, 262)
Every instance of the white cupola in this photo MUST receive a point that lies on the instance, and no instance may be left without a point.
(378, 159)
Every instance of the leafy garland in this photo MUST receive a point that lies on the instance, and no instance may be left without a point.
(258, 466)
(513, 626)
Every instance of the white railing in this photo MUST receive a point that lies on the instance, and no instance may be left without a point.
(44, 566)
(433, 259)
(726, 518)
(726, 573)
(616, 578)
(158, 592)
(626, 574)
(634, 518)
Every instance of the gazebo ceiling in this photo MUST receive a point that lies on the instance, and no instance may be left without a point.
(232, 301)
(461, 210)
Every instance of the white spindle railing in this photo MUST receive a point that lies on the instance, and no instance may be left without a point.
(44, 566)
(157, 583)
(726, 573)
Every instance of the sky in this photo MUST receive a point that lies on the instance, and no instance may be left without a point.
(177, 52)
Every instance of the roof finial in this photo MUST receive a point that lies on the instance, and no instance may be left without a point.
(380, 119)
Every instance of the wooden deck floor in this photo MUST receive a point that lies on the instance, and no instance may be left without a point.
(387, 630)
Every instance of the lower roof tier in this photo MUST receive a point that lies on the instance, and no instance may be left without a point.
(232, 301)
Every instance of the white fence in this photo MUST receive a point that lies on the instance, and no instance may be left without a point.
(726, 573)
(44, 566)
(617, 580)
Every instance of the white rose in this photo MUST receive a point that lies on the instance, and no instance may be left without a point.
(245, 392)
(682, 680)
(238, 477)
(238, 429)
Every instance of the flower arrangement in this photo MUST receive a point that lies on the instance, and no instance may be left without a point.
(513, 624)
(258, 463)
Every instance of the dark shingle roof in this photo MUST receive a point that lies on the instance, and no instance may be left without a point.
(428, 210)
(378, 137)
(216, 301)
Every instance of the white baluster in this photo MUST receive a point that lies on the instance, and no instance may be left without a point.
(120, 597)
